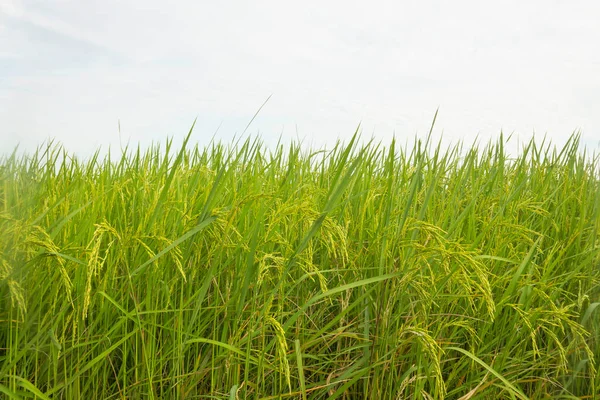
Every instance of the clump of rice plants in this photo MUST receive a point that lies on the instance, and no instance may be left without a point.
(253, 272)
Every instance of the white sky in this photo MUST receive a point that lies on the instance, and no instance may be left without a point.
(70, 70)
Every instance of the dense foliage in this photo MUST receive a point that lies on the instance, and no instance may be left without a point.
(248, 272)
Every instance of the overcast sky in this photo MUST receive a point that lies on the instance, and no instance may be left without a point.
(71, 70)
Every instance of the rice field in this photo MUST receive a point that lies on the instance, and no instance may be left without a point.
(242, 271)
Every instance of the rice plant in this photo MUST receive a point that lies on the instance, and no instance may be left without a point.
(245, 271)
